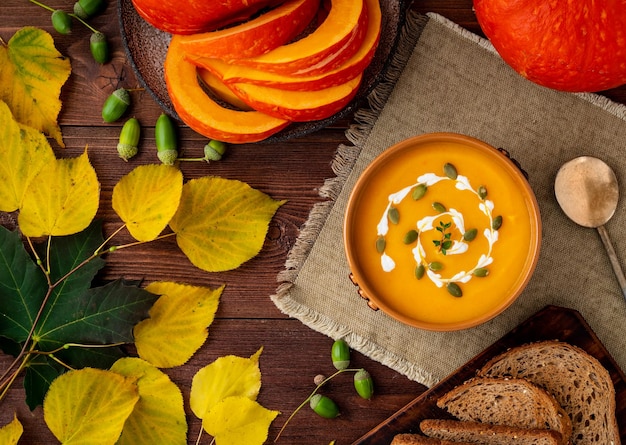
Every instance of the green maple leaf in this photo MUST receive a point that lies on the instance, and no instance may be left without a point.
(22, 288)
(75, 312)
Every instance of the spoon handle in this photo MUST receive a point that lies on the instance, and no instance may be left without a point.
(604, 236)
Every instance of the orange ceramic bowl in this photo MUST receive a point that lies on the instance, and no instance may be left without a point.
(442, 232)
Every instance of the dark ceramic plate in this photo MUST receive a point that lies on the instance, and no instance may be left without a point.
(146, 48)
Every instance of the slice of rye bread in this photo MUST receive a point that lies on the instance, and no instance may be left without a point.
(512, 402)
(487, 434)
(418, 439)
(578, 382)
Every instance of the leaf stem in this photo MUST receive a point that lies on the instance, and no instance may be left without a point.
(322, 383)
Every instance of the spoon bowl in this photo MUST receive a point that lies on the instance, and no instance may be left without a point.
(586, 188)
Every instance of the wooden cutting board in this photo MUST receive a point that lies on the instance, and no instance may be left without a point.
(551, 323)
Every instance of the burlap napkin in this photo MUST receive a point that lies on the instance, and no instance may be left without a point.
(454, 81)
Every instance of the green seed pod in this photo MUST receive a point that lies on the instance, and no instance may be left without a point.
(364, 384)
(62, 22)
(410, 237)
(340, 354)
(381, 243)
(419, 191)
(470, 235)
(165, 137)
(99, 47)
(214, 150)
(454, 290)
(435, 266)
(324, 406)
(439, 207)
(394, 215)
(450, 171)
(129, 139)
(482, 192)
(86, 9)
(481, 272)
(115, 105)
(419, 271)
(497, 223)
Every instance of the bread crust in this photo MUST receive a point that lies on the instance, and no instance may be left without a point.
(487, 434)
(577, 380)
(507, 401)
(418, 439)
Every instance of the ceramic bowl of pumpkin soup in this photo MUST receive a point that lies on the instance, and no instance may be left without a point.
(442, 232)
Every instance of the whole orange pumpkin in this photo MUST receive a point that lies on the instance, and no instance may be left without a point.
(576, 46)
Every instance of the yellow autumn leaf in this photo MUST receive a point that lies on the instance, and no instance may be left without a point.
(32, 73)
(62, 199)
(237, 420)
(178, 323)
(89, 406)
(10, 434)
(225, 377)
(147, 198)
(222, 223)
(159, 415)
(23, 152)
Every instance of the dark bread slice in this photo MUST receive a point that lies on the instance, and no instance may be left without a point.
(578, 382)
(418, 439)
(487, 434)
(512, 402)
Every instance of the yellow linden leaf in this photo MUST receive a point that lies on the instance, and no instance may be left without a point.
(147, 198)
(11, 433)
(237, 420)
(222, 223)
(178, 323)
(23, 152)
(89, 406)
(62, 199)
(32, 73)
(225, 377)
(159, 415)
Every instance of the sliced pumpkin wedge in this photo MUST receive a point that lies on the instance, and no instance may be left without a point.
(206, 116)
(342, 21)
(257, 36)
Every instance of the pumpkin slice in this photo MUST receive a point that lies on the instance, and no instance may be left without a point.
(298, 106)
(343, 20)
(230, 74)
(203, 114)
(256, 36)
(216, 86)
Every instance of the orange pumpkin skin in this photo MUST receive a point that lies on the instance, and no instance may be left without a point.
(193, 16)
(256, 36)
(577, 46)
(203, 114)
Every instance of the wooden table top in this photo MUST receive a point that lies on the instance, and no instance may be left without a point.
(246, 319)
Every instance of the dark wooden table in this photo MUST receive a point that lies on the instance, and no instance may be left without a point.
(247, 319)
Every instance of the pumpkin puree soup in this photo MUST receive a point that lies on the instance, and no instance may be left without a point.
(442, 232)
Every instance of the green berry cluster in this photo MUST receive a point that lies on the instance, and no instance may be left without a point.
(83, 11)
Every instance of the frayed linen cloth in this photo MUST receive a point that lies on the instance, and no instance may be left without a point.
(446, 79)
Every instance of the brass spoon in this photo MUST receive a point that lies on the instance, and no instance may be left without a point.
(587, 191)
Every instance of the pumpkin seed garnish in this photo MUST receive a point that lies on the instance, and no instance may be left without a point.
(419, 191)
(419, 271)
(497, 222)
(394, 215)
(410, 237)
(381, 244)
(481, 272)
(450, 171)
(482, 192)
(439, 207)
(454, 290)
(470, 235)
(435, 266)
